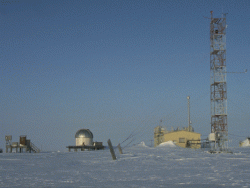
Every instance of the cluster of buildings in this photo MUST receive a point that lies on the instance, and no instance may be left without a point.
(184, 137)
(83, 138)
(24, 145)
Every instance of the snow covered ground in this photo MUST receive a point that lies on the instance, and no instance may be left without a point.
(139, 166)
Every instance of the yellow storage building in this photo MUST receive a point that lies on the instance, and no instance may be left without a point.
(185, 137)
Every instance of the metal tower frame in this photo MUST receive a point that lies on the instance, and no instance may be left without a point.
(218, 84)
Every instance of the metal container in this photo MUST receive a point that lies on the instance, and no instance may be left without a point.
(97, 143)
(23, 140)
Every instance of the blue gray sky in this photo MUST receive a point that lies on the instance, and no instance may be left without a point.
(116, 68)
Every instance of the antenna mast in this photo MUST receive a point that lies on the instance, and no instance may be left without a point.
(218, 84)
(189, 128)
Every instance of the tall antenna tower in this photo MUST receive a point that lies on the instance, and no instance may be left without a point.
(218, 84)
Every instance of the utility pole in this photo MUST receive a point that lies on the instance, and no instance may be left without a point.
(189, 128)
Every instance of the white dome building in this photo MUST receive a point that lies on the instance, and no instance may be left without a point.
(84, 137)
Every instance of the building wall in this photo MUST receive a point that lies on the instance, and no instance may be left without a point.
(158, 135)
(180, 138)
(84, 141)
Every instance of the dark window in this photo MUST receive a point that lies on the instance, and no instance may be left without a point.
(181, 140)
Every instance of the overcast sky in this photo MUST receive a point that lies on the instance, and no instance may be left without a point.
(116, 68)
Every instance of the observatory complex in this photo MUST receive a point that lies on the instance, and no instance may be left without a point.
(84, 141)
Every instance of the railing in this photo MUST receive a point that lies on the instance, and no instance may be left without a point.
(34, 148)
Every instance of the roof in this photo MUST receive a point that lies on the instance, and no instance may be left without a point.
(84, 133)
(175, 132)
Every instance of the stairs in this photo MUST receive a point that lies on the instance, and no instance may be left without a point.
(33, 148)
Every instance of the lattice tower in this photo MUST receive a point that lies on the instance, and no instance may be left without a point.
(218, 84)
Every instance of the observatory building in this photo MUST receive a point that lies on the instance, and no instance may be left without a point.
(84, 141)
(185, 137)
(84, 137)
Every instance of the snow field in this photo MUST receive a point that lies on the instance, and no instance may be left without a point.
(139, 166)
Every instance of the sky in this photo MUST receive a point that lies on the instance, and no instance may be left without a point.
(117, 68)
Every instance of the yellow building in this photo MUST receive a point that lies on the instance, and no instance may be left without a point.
(185, 137)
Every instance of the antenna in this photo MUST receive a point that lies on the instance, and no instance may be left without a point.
(188, 98)
(245, 71)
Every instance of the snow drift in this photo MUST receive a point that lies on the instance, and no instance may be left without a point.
(142, 144)
(167, 144)
(245, 143)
